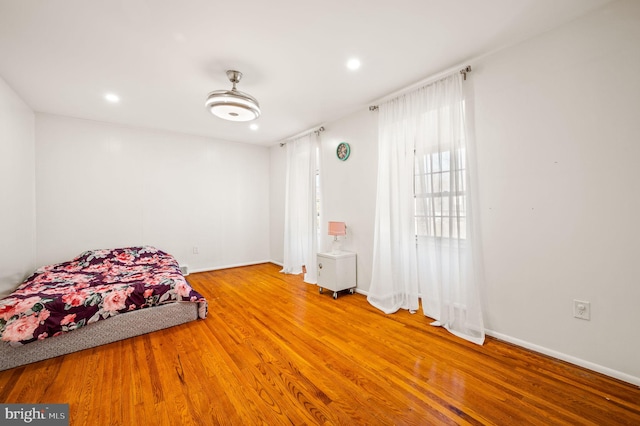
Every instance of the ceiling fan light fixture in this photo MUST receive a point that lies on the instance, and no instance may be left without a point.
(233, 105)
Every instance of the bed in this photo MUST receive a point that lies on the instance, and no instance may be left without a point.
(98, 297)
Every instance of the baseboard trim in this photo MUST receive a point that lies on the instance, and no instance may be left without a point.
(366, 293)
(235, 265)
(568, 358)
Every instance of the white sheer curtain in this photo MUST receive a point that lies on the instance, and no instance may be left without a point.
(425, 243)
(301, 214)
(394, 280)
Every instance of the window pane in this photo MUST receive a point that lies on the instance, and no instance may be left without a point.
(436, 183)
(435, 163)
(445, 227)
(445, 160)
(437, 206)
(460, 206)
(440, 195)
(446, 183)
(444, 206)
(438, 227)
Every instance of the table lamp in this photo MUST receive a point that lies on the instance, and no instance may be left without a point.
(336, 229)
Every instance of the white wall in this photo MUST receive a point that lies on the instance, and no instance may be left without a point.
(350, 186)
(17, 190)
(557, 125)
(102, 185)
(277, 181)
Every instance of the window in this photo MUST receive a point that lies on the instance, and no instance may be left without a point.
(440, 195)
(318, 200)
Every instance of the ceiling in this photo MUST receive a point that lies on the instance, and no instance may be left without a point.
(162, 57)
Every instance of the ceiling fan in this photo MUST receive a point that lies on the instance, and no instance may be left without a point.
(233, 104)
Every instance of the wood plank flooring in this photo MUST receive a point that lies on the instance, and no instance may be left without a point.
(274, 351)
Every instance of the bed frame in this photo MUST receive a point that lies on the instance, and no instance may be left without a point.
(116, 328)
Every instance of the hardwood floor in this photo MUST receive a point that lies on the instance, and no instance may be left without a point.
(275, 351)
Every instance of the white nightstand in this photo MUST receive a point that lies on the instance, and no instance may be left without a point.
(337, 272)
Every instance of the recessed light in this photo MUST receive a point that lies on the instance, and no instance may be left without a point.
(353, 64)
(254, 126)
(112, 98)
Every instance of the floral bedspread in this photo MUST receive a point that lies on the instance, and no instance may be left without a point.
(94, 286)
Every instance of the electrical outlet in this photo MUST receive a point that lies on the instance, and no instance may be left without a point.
(582, 309)
(195, 250)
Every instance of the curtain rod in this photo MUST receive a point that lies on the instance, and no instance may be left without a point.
(464, 71)
(306, 132)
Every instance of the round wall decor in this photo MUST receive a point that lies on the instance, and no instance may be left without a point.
(343, 151)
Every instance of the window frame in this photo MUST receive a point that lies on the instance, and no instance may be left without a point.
(455, 214)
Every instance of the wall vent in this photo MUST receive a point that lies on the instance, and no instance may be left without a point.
(184, 269)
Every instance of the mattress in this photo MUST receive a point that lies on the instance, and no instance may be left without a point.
(61, 308)
(117, 328)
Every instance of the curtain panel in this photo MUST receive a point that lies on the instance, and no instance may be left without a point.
(426, 247)
(394, 280)
(301, 214)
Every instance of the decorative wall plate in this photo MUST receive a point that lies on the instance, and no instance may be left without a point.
(343, 151)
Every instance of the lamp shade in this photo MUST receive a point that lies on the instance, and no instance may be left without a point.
(337, 228)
